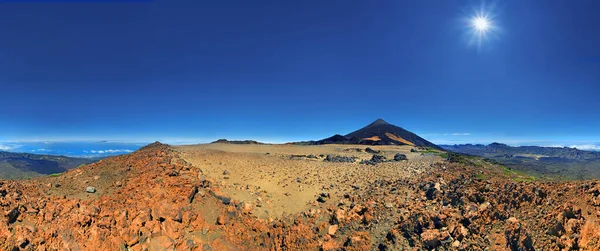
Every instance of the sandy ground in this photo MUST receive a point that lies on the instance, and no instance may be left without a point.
(275, 183)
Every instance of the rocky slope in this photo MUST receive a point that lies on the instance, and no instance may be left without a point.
(154, 199)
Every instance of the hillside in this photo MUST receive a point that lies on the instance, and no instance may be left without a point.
(548, 162)
(496, 149)
(378, 132)
(265, 197)
(25, 165)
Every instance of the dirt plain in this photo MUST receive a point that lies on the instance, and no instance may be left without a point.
(279, 179)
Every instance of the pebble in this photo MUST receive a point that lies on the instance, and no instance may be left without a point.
(90, 189)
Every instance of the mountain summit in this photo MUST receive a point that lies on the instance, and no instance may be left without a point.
(379, 132)
(378, 122)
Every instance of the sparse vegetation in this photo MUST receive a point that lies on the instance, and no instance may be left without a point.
(548, 163)
(429, 150)
(26, 165)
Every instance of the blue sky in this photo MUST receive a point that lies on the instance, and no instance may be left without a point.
(188, 71)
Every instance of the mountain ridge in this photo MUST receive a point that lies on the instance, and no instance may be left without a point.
(500, 148)
(378, 132)
(551, 162)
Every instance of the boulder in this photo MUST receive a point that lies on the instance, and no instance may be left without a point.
(369, 150)
(399, 157)
(13, 215)
(376, 158)
(221, 220)
(517, 236)
(341, 159)
(160, 243)
(332, 229)
(433, 238)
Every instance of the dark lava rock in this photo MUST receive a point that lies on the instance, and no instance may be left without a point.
(374, 160)
(332, 158)
(323, 197)
(353, 150)
(13, 215)
(222, 197)
(173, 173)
(378, 158)
(399, 157)
(192, 194)
(369, 150)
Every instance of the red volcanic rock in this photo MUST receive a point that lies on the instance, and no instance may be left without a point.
(517, 236)
(221, 220)
(160, 243)
(332, 229)
(433, 238)
(358, 241)
(330, 244)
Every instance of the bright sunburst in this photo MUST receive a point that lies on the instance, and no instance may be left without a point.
(481, 25)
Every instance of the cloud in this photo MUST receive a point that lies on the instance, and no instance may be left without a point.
(588, 147)
(447, 134)
(8, 147)
(109, 151)
(461, 134)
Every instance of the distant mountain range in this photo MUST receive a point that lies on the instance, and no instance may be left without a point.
(502, 150)
(377, 133)
(238, 142)
(26, 165)
(562, 162)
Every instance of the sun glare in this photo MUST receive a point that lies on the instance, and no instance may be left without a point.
(480, 25)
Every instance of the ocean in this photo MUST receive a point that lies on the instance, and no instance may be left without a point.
(96, 149)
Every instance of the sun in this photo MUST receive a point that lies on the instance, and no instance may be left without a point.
(481, 24)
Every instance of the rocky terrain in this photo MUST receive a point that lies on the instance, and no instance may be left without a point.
(285, 197)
